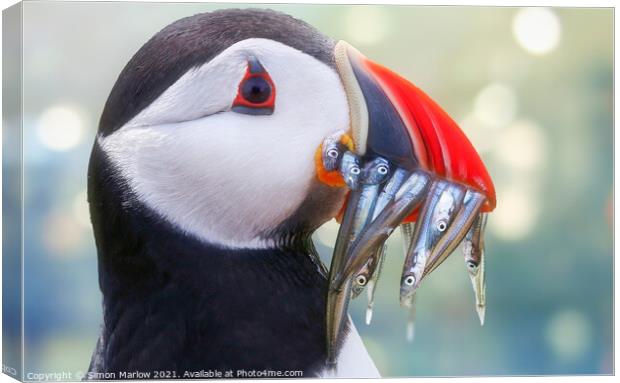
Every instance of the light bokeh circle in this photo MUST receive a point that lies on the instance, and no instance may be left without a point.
(537, 30)
(60, 128)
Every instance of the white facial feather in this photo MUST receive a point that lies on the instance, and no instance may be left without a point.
(225, 177)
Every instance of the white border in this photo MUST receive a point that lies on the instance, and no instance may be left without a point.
(552, 3)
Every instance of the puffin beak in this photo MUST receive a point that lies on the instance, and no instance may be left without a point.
(393, 121)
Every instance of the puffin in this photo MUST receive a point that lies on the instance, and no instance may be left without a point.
(206, 182)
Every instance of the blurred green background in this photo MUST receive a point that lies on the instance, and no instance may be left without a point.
(531, 87)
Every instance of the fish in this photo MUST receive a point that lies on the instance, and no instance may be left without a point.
(407, 199)
(369, 274)
(365, 184)
(464, 219)
(332, 151)
(350, 170)
(375, 273)
(435, 217)
(407, 230)
(473, 251)
(376, 171)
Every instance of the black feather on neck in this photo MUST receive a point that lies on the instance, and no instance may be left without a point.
(174, 303)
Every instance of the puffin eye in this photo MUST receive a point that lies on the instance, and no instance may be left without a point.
(255, 90)
(256, 94)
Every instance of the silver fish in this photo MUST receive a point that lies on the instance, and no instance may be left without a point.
(408, 198)
(338, 300)
(370, 272)
(360, 205)
(357, 211)
(332, 151)
(373, 174)
(375, 273)
(407, 230)
(376, 266)
(376, 171)
(392, 186)
(473, 250)
(351, 170)
(434, 219)
(372, 269)
(454, 235)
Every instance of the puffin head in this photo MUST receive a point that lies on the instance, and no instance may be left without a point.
(216, 124)
(215, 121)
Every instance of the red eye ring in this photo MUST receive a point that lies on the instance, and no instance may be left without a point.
(256, 94)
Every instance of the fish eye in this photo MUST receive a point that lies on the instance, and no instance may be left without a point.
(410, 280)
(361, 280)
(355, 170)
(442, 225)
(332, 153)
(383, 170)
(471, 265)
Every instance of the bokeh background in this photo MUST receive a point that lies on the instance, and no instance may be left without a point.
(532, 88)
